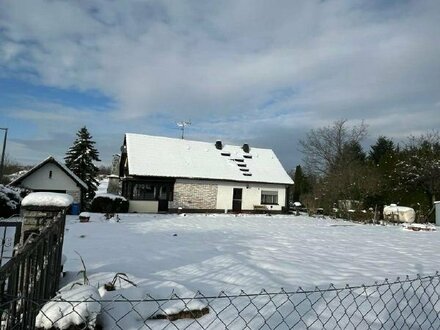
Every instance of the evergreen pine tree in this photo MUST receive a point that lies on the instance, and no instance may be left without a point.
(301, 184)
(79, 159)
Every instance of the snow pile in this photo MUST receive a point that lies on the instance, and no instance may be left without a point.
(102, 187)
(123, 302)
(399, 213)
(419, 227)
(47, 199)
(84, 215)
(79, 306)
(118, 304)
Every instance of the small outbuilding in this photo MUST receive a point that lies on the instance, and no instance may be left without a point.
(52, 176)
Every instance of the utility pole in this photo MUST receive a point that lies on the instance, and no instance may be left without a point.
(3, 153)
(182, 125)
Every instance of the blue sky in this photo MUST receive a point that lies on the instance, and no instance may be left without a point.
(260, 72)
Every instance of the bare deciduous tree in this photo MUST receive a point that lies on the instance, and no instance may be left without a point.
(323, 147)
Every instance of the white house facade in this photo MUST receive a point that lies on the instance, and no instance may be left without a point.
(164, 174)
(52, 176)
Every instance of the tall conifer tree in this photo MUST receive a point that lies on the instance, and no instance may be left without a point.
(80, 158)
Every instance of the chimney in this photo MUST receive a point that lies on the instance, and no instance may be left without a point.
(219, 145)
(246, 148)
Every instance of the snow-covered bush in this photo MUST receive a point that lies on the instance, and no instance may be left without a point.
(76, 307)
(109, 203)
(9, 201)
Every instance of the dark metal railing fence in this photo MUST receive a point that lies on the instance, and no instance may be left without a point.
(405, 303)
(31, 275)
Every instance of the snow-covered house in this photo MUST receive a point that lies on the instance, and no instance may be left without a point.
(52, 176)
(166, 174)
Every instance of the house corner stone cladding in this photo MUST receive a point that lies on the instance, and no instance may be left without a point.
(76, 194)
(194, 196)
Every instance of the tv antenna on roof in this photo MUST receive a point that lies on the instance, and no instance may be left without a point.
(182, 125)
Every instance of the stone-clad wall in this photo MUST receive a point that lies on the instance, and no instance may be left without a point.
(194, 195)
(76, 194)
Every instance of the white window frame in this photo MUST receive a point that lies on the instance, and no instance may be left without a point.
(269, 197)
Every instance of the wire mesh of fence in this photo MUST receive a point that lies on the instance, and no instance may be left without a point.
(404, 303)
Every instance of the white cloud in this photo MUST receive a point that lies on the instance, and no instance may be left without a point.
(222, 63)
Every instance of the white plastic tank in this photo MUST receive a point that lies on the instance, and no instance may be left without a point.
(399, 213)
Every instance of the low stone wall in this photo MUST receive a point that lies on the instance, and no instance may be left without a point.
(197, 195)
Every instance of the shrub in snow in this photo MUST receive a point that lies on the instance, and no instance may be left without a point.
(108, 203)
(76, 307)
(9, 201)
(111, 286)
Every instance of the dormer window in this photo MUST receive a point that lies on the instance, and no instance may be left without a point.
(50, 174)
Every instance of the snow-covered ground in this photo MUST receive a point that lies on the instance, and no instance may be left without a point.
(211, 253)
(102, 187)
(162, 255)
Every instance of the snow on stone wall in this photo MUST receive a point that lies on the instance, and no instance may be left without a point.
(47, 199)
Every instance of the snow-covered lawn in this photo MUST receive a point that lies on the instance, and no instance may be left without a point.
(211, 253)
(162, 255)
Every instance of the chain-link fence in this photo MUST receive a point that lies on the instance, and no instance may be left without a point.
(405, 303)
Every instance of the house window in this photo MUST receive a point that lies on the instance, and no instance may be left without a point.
(143, 191)
(149, 191)
(50, 174)
(269, 197)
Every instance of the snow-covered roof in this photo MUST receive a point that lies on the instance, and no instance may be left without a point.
(50, 159)
(176, 158)
(47, 199)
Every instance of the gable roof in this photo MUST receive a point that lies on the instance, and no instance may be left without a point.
(176, 158)
(50, 159)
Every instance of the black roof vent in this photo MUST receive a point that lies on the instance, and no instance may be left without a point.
(246, 148)
(247, 156)
(225, 153)
(247, 174)
(219, 145)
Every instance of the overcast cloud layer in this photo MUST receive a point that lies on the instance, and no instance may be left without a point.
(262, 72)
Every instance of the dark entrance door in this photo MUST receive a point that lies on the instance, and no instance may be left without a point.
(162, 197)
(163, 205)
(236, 199)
